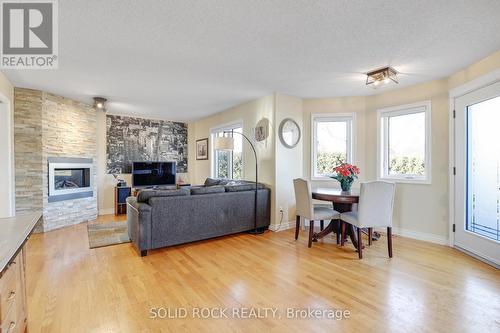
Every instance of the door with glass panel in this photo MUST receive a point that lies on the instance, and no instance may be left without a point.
(477, 179)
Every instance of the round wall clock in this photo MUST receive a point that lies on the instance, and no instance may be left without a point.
(289, 133)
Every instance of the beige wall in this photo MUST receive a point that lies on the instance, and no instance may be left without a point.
(421, 211)
(6, 147)
(288, 161)
(105, 182)
(249, 114)
(354, 105)
(419, 208)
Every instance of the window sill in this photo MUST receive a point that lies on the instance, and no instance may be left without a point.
(322, 179)
(406, 181)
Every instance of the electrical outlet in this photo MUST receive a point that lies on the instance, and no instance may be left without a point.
(281, 209)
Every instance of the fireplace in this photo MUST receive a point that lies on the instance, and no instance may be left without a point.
(69, 178)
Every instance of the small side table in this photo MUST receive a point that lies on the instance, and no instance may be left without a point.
(121, 195)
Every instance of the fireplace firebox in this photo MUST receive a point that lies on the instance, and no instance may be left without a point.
(69, 178)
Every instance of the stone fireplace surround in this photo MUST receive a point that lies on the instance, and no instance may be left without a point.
(48, 126)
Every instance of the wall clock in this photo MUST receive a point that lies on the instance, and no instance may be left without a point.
(289, 133)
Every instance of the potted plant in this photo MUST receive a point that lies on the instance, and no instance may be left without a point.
(346, 174)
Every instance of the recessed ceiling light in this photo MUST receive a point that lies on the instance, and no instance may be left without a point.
(100, 103)
(382, 76)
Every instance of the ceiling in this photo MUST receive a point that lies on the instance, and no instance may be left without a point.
(186, 59)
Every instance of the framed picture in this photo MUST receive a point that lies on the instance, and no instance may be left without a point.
(202, 149)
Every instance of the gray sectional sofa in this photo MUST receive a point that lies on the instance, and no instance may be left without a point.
(160, 218)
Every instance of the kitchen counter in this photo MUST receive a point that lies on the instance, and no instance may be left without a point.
(13, 233)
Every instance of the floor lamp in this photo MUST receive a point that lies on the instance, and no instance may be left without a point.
(227, 143)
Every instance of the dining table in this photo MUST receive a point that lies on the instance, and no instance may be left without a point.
(342, 201)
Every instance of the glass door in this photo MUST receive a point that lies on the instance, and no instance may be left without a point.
(477, 181)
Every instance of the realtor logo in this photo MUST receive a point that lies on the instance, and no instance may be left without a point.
(29, 34)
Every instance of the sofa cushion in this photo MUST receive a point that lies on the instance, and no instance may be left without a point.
(145, 195)
(233, 183)
(207, 190)
(211, 182)
(240, 187)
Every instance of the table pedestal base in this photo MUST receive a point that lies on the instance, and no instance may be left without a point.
(334, 226)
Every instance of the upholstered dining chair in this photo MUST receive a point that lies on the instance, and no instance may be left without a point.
(376, 203)
(306, 209)
(322, 205)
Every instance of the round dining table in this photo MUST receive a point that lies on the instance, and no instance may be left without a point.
(342, 201)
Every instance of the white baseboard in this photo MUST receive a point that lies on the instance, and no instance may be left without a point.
(423, 236)
(106, 211)
(291, 224)
(479, 256)
(283, 226)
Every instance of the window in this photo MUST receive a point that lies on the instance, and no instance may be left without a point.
(228, 164)
(405, 143)
(332, 142)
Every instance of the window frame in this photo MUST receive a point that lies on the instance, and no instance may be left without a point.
(350, 118)
(383, 116)
(221, 128)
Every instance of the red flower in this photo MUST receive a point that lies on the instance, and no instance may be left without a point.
(347, 170)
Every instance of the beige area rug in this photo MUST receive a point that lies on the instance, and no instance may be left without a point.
(105, 234)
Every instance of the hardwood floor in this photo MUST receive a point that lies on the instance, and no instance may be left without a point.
(424, 288)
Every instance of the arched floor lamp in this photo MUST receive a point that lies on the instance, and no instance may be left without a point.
(227, 143)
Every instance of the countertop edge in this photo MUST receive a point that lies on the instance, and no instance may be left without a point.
(29, 220)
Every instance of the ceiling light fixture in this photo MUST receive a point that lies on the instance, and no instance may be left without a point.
(100, 103)
(382, 76)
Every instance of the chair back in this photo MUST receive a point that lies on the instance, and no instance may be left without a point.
(303, 198)
(376, 203)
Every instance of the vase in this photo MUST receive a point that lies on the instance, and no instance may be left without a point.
(346, 184)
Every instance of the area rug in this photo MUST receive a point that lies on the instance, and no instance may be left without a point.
(105, 234)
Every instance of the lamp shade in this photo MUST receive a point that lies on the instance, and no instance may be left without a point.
(224, 143)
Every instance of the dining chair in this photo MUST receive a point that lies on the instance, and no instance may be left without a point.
(305, 208)
(376, 203)
(319, 205)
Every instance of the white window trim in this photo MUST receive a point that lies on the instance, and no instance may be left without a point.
(382, 142)
(351, 137)
(226, 127)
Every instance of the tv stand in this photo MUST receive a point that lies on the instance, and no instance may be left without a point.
(121, 194)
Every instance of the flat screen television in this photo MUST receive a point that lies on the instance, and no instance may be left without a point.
(150, 174)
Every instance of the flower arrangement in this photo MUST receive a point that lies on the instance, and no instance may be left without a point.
(346, 174)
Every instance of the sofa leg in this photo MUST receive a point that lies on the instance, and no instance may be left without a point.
(144, 253)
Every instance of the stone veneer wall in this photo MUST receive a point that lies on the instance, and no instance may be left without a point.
(46, 125)
(28, 149)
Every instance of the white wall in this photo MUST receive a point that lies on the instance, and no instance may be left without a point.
(7, 204)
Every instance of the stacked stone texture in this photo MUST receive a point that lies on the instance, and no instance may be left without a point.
(46, 125)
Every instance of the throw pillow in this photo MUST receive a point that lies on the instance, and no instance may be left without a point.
(212, 182)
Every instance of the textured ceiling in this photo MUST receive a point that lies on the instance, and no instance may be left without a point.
(185, 59)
